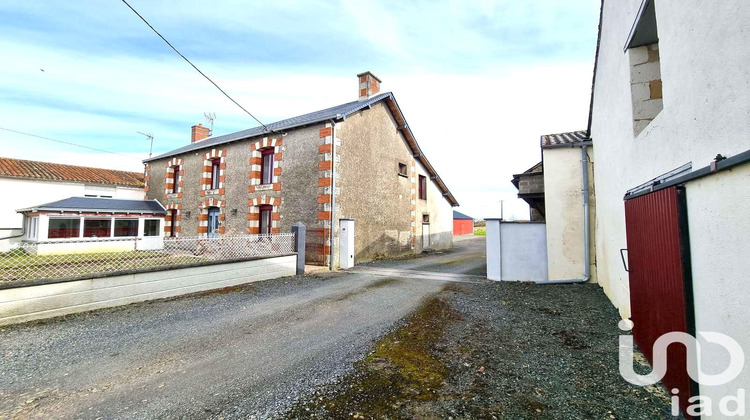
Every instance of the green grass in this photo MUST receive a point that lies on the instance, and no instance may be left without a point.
(480, 232)
(18, 265)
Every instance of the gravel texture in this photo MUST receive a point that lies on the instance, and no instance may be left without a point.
(348, 345)
(498, 350)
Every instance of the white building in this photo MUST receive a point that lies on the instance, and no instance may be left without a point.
(25, 183)
(670, 101)
(89, 224)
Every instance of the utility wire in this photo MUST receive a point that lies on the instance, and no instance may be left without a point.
(66, 142)
(194, 66)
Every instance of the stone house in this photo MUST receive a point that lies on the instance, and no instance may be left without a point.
(359, 160)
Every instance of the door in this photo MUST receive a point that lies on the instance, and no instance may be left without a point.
(660, 278)
(213, 222)
(265, 220)
(425, 235)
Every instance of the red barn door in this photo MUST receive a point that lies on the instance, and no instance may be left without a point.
(660, 279)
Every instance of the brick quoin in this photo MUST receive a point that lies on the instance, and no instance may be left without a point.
(325, 132)
(324, 182)
(324, 198)
(325, 148)
(324, 215)
(325, 165)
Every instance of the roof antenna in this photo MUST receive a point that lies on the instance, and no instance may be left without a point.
(149, 136)
(210, 118)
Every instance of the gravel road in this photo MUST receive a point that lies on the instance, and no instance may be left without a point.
(246, 352)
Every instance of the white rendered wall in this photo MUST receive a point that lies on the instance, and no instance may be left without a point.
(706, 88)
(516, 251)
(718, 210)
(26, 193)
(23, 304)
(563, 204)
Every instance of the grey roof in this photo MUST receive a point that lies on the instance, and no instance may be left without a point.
(459, 215)
(562, 139)
(337, 112)
(95, 204)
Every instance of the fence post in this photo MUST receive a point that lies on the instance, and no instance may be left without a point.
(299, 230)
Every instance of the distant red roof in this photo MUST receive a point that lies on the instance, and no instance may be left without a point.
(16, 168)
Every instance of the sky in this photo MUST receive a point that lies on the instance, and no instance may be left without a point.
(478, 81)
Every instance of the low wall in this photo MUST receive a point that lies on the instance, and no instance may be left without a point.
(26, 303)
(516, 251)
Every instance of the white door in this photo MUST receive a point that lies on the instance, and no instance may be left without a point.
(425, 235)
(346, 241)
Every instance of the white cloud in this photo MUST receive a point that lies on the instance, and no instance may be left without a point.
(479, 82)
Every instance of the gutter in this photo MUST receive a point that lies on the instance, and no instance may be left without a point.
(586, 218)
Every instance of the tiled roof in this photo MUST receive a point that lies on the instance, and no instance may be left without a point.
(336, 112)
(459, 215)
(101, 205)
(29, 169)
(561, 139)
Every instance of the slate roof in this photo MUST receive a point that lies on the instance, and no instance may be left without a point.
(29, 169)
(337, 112)
(459, 215)
(95, 204)
(562, 139)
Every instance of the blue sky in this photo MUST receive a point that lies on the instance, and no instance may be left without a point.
(484, 77)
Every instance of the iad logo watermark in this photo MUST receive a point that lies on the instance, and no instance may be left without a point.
(729, 405)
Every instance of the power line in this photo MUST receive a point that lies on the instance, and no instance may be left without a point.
(66, 142)
(196, 68)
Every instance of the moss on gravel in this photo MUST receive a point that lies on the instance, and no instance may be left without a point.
(401, 369)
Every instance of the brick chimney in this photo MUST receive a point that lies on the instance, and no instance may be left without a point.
(198, 133)
(369, 85)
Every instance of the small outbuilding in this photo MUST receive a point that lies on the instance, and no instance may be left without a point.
(89, 224)
(462, 224)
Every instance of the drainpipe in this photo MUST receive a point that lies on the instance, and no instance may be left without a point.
(23, 230)
(333, 190)
(586, 222)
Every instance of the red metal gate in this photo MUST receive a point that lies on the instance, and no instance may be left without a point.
(660, 279)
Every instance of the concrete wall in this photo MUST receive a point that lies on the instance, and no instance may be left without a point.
(564, 213)
(373, 192)
(27, 193)
(21, 304)
(718, 209)
(706, 100)
(516, 251)
(299, 175)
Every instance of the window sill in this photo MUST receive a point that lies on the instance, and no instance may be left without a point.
(264, 187)
(403, 175)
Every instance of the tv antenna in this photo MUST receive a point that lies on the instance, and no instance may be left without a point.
(149, 136)
(210, 118)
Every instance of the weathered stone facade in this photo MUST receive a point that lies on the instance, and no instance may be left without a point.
(352, 161)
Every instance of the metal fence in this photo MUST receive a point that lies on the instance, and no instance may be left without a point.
(76, 258)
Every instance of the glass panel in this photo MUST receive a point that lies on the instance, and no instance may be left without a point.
(126, 227)
(63, 228)
(265, 221)
(267, 175)
(151, 227)
(176, 179)
(96, 228)
(215, 175)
